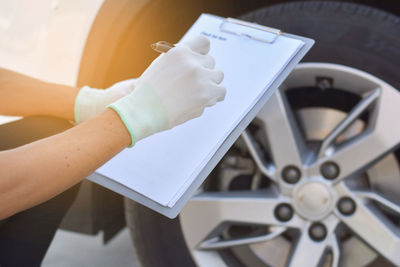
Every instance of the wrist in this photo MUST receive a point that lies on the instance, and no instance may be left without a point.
(59, 100)
(89, 102)
(125, 123)
(142, 112)
(77, 105)
(116, 125)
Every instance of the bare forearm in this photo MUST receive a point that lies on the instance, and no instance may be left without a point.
(21, 95)
(38, 171)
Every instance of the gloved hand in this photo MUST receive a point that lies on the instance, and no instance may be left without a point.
(91, 101)
(176, 87)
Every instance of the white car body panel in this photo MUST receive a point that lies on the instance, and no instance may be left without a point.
(45, 39)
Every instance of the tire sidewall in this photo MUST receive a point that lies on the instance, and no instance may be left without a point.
(349, 34)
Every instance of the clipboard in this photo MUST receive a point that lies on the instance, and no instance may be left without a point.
(244, 30)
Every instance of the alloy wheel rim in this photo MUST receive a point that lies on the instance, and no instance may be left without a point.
(316, 184)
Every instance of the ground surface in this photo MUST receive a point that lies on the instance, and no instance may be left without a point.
(78, 250)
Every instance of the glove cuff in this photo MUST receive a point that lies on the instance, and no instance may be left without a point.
(84, 104)
(88, 103)
(125, 120)
(142, 112)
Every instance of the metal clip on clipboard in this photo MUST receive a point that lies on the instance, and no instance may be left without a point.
(250, 30)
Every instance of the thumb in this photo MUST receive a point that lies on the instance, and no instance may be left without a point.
(125, 87)
(131, 84)
(199, 44)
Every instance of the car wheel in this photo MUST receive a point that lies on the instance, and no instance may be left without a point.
(315, 179)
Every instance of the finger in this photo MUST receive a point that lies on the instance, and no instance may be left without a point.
(199, 44)
(207, 61)
(219, 92)
(130, 85)
(211, 103)
(215, 93)
(215, 76)
(125, 87)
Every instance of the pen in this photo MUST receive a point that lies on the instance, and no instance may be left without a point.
(162, 46)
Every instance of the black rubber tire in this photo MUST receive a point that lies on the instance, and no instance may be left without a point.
(350, 34)
(158, 240)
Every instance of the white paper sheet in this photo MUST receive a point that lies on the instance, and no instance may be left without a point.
(161, 167)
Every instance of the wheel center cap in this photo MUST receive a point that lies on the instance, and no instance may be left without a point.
(313, 200)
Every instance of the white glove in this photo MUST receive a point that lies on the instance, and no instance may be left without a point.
(91, 101)
(176, 87)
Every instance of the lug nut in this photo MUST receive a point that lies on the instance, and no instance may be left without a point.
(330, 170)
(324, 83)
(346, 206)
(291, 174)
(317, 231)
(283, 212)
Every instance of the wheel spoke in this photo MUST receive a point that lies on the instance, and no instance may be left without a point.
(284, 138)
(378, 198)
(356, 112)
(307, 252)
(214, 210)
(335, 250)
(257, 155)
(373, 227)
(378, 139)
(216, 242)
